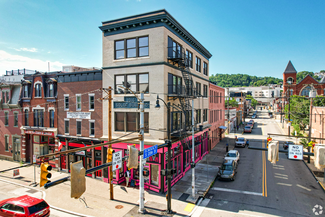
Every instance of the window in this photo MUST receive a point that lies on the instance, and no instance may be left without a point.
(78, 102)
(205, 90)
(205, 68)
(38, 90)
(189, 58)
(217, 97)
(174, 49)
(3, 97)
(66, 126)
(51, 118)
(198, 115)
(135, 82)
(305, 91)
(91, 128)
(66, 102)
(174, 84)
(7, 97)
(198, 64)
(177, 121)
(26, 90)
(6, 118)
(132, 47)
(6, 143)
(51, 90)
(15, 119)
(38, 118)
(198, 88)
(205, 115)
(26, 117)
(91, 102)
(130, 121)
(78, 127)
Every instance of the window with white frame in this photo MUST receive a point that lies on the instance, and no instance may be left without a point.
(15, 119)
(78, 102)
(66, 126)
(91, 102)
(38, 90)
(78, 127)
(51, 90)
(66, 102)
(91, 127)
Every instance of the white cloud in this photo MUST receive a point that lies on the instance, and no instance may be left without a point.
(27, 49)
(13, 62)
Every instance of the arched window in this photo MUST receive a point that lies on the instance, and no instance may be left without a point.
(305, 91)
(290, 80)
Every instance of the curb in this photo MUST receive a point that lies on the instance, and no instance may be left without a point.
(320, 184)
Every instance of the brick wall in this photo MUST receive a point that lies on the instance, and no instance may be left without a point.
(318, 119)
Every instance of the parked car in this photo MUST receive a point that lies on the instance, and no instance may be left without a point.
(251, 125)
(240, 142)
(271, 116)
(251, 121)
(24, 206)
(254, 116)
(232, 155)
(227, 170)
(247, 129)
(286, 144)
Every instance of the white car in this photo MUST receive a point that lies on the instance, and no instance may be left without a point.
(241, 141)
(232, 155)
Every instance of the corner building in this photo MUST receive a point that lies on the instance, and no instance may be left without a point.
(154, 54)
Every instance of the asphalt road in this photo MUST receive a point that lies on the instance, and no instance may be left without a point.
(261, 188)
(8, 190)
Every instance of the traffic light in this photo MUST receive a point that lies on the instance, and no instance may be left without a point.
(110, 152)
(78, 179)
(268, 140)
(133, 160)
(45, 175)
(273, 152)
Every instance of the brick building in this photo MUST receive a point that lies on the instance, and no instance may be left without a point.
(10, 121)
(217, 114)
(318, 128)
(39, 107)
(80, 117)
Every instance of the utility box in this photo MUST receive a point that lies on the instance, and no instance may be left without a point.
(319, 153)
(273, 151)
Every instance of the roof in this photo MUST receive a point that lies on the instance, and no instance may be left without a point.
(25, 200)
(233, 151)
(322, 81)
(309, 76)
(152, 20)
(290, 68)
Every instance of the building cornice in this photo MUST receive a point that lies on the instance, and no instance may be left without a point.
(152, 20)
(152, 64)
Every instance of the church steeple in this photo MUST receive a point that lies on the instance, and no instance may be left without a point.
(290, 68)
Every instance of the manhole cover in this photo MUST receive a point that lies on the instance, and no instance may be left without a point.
(32, 191)
(118, 207)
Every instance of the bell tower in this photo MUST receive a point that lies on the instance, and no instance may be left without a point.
(289, 78)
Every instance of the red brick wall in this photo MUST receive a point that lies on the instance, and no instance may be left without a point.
(83, 88)
(216, 108)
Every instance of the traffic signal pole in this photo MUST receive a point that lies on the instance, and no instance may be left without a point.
(109, 133)
(310, 125)
(141, 192)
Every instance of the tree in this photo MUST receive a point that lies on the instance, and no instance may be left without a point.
(299, 111)
(232, 103)
(254, 102)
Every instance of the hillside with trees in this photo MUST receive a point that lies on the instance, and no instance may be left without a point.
(242, 80)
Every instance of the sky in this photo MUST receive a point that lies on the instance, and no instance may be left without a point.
(254, 37)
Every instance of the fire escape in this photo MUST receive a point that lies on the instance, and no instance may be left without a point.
(184, 90)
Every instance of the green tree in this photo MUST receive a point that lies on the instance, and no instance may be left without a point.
(299, 111)
(254, 102)
(232, 103)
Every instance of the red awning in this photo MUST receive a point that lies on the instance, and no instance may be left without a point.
(76, 145)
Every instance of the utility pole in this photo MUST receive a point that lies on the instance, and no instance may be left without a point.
(169, 176)
(109, 136)
(193, 153)
(310, 125)
(289, 116)
(228, 109)
(141, 192)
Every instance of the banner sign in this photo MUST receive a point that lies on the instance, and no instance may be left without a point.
(130, 102)
(42, 133)
(79, 115)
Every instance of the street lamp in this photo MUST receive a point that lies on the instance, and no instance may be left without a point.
(168, 141)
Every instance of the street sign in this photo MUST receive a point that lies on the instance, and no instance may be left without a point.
(34, 159)
(295, 152)
(117, 160)
(150, 151)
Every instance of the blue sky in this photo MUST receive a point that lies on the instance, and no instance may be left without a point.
(244, 36)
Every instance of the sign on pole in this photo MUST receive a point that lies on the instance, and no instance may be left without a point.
(117, 160)
(295, 152)
(150, 151)
(34, 159)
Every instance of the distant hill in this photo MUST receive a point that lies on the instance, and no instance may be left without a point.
(242, 80)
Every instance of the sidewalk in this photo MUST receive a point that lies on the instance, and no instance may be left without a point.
(318, 174)
(125, 201)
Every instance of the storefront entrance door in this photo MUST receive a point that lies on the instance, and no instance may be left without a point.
(16, 149)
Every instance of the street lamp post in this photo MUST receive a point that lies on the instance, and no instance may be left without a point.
(169, 195)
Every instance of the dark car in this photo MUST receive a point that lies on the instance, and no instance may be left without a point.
(227, 170)
(24, 206)
(286, 144)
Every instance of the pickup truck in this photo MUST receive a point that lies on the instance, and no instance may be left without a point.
(240, 142)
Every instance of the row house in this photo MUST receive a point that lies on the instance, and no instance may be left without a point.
(80, 118)
(39, 109)
(216, 114)
(154, 54)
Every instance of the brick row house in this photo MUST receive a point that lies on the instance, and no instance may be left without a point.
(80, 118)
(216, 114)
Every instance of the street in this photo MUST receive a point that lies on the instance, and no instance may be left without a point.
(260, 188)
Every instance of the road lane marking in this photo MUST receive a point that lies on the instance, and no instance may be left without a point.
(265, 172)
(280, 177)
(300, 186)
(264, 185)
(237, 191)
(262, 171)
(284, 184)
(278, 168)
(276, 165)
(189, 207)
(279, 174)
